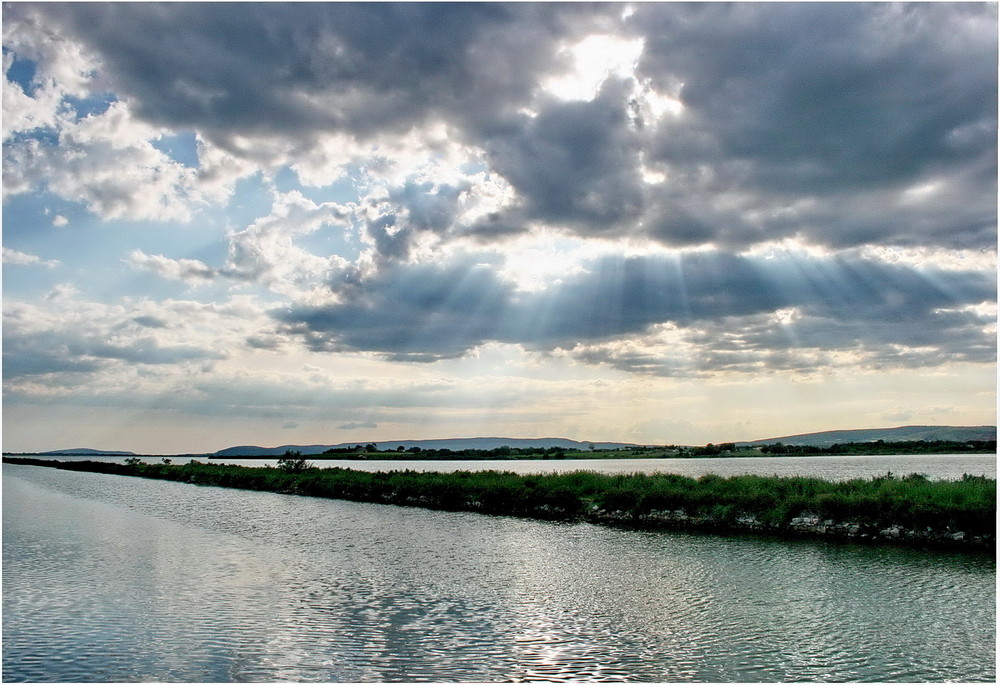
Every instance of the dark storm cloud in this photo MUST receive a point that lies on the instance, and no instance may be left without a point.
(428, 313)
(832, 101)
(295, 68)
(414, 313)
(576, 162)
(842, 94)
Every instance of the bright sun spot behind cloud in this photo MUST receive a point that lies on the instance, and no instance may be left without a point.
(592, 61)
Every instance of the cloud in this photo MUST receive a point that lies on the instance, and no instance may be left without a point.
(265, 252)
(876, 92)
(188, 270)
(66, 132)
(420, 312)
(61, 292)
(354, 425)
(266, 342)
(293, 70)
(145, 350)
(30, 355)
(736, 124)
(575, 162)
(838, 103)
(55, 352)
(150, 321)
(24, 259)
(21, 112)
(70, 335)
(727, 306)
(108, 163)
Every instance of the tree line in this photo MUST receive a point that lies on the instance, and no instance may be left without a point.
(503, 452)
(883, 447)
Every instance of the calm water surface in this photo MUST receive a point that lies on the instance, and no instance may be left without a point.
(935, 466)
(108, 578)
(834, 468)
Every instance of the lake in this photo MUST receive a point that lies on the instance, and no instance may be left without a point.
(110, 578)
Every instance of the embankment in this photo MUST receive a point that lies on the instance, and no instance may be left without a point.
(908, 510)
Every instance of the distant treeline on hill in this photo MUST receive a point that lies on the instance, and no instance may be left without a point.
(883, 447)
(503, 452)
(725, 449)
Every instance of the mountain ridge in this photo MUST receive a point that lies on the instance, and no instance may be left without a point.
(86, 451)
(818, 439)
(486, 443)
(898, 434)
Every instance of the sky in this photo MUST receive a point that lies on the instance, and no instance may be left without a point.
(662, 223)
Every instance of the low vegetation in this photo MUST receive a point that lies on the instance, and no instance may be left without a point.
(961, 511)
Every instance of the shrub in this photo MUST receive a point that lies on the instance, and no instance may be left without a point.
(293, 462)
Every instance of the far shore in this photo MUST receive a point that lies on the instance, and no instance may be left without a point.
(722, 450)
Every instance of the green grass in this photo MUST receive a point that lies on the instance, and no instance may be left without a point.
(911, 502)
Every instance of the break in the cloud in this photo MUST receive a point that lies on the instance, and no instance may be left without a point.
(667, 199)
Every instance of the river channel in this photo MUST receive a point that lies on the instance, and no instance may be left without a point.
(110, 578)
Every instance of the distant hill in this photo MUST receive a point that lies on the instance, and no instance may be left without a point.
(903, 433)
(86, 452)
(446, 443)
(820, 439)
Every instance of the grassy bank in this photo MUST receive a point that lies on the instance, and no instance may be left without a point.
(887, 508)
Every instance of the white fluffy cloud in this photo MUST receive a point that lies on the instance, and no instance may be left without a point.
(65, 132)
(188, 270)
(22, 258)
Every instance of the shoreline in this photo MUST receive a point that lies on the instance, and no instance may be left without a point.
(910, 510)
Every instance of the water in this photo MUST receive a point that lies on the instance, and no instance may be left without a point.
(109, 578)
(833, 468)
(935, 466)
